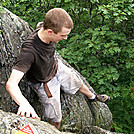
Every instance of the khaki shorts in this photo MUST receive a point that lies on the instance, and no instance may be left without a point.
(67, 80)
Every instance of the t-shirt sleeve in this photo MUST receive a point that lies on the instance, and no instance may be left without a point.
(24, 61)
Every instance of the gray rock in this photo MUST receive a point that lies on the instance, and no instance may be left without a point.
(77, 111)
(11, 123)
(95, 130)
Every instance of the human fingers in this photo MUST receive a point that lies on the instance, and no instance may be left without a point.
(39, 23)
(37, 117)
(34, 115)
(31, 113)
(20, 112)
(27, 114)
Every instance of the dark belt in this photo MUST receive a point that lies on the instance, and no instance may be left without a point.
(49, 95)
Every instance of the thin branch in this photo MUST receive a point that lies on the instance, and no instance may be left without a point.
(40, 5)
(78, 19)
(90, 12)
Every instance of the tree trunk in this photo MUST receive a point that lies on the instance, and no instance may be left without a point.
(77, 111)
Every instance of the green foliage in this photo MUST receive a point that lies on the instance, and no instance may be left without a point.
(1, 10)
(32, 11)
(104, 53)
(100, 47)
(123, 113)
(102, 57)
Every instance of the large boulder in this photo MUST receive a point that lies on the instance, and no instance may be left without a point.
(76, 109)
(11, 123)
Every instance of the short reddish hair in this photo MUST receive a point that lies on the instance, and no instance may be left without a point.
(57, 18)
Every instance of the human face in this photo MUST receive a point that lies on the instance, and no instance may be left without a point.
(62, 35)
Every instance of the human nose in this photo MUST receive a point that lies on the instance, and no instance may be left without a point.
(65, 37)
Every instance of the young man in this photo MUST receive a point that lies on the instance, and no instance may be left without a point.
(46, 73)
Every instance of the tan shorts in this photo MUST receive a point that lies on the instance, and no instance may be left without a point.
(67, 80)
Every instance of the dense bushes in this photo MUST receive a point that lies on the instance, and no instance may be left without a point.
(105, 58)
(123, 110)
(101, 47)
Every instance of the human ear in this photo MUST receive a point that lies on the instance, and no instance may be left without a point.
(49, 31)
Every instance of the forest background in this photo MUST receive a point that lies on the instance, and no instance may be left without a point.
(100, 47)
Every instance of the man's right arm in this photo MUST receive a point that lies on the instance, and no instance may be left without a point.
(14, 91)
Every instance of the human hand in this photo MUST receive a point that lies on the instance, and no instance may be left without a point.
(28, 111)
(39, 24)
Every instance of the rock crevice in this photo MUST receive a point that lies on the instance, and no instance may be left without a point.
(77, 111)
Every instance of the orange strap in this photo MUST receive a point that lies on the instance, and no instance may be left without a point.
(49, 95)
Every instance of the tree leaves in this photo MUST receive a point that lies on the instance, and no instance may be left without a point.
(100, 45)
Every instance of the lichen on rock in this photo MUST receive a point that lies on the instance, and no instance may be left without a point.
(77, 111)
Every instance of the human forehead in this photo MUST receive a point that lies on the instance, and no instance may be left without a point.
(64, 31)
